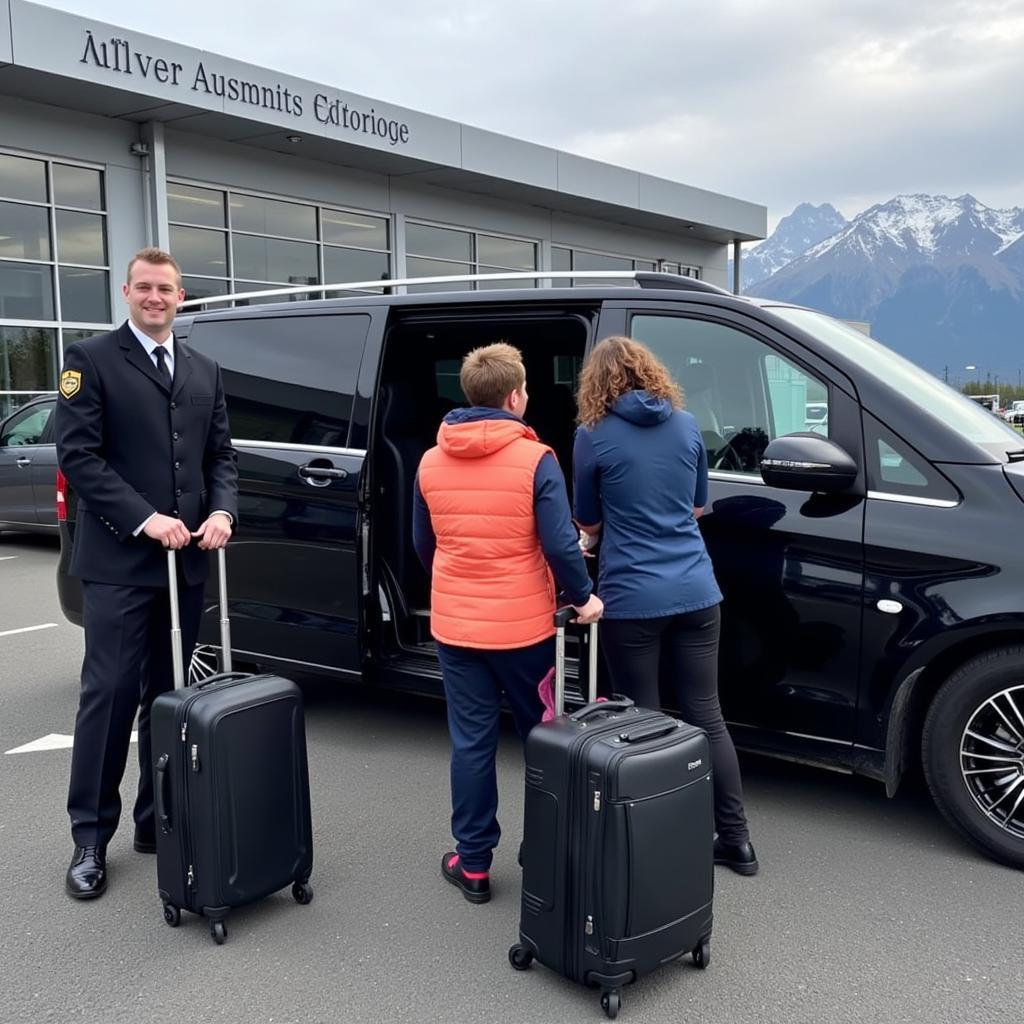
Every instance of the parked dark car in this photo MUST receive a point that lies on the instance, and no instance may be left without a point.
(873, 580)
(28, 469)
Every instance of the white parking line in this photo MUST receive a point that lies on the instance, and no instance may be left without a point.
(29, 629)
(52, 741)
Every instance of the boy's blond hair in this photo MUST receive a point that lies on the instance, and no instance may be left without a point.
(492, 372)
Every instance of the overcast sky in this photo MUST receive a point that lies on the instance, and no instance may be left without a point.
(841, 101)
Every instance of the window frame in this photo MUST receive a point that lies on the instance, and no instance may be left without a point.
(231, 278)
(58, 323)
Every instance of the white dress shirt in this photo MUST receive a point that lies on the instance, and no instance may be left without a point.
(168, 346)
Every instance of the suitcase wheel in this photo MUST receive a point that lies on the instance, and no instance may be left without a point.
(172, 915)
(610, 1003)
(702, 954)
(219, 931)
(520, 957)
(303, 893)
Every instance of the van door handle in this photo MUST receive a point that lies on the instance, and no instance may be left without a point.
(321, 476)
(23, 462)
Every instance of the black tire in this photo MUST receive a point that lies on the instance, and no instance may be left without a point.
(702, 955)
(520, 957)
(219, 931)
(610, 1003)
(172, 915)
(302, 893)
(976, 777)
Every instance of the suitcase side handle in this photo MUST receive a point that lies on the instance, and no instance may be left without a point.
(162, 801)
(177, 658)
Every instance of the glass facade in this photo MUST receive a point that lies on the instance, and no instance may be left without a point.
(565, 258)
(228, 241)
(435, 251)
(54, 268)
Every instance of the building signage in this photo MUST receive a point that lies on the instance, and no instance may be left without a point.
(118, 56)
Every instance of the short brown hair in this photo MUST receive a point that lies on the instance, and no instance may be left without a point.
(618, 365)
(155, 256)
(491, 373)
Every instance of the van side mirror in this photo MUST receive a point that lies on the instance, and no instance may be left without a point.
(807, 462)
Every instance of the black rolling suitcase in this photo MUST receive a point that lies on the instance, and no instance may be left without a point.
(231, 785)
(618, 869)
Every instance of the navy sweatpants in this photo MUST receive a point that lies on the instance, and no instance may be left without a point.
(474, 681)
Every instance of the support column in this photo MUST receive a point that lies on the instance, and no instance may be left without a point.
(154, 173)
(736, 253)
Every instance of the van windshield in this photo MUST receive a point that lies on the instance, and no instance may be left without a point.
(917, 385)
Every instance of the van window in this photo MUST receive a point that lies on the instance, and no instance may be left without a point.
(895, 468)
(288, 379)
(742, 392)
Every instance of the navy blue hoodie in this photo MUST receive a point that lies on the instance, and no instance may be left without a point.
(639, 472)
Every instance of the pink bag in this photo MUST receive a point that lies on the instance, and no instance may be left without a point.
(546, 692)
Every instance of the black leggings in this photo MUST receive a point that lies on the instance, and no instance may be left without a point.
(640, 653)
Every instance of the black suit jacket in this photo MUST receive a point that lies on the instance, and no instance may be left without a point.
(130, 446)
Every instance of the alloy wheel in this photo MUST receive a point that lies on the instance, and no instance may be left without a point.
(205, 663)
(992, 759)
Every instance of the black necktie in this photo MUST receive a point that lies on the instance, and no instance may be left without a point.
(161, 365)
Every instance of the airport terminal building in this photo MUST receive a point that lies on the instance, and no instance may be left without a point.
(111, 140)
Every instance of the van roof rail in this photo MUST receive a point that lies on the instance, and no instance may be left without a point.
(641, 278)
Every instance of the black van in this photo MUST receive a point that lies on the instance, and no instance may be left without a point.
(862, 517)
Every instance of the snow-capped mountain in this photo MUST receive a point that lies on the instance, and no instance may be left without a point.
(941, 280)
(794, 235)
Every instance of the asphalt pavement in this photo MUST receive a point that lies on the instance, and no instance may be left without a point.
(866, 909)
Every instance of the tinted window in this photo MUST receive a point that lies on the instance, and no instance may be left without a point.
(287, 379)
(895, 468)
(742, 392)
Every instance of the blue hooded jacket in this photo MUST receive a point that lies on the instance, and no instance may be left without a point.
(639, 472)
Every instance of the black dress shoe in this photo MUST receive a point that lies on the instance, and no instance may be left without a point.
(144, 842)
(87, 876)
(740, 857)
(475, 885)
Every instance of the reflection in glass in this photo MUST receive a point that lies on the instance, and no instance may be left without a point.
(443, 243)
(77, 186)
(340, 228)
(21, 178)
(341, 265)
(272, 217)
(26, 292)
(24, 232)
(506, 252)
(203, 287)
(81, 238)
(195, 205)
(597, 261)
(271, 259)
(419, 267)
(27, 358)
(200, 251)
(84, 295)
(561, 259)
(72, 334)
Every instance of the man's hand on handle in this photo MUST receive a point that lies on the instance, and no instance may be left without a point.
(215, 532)
(589, 612)
(171, 532)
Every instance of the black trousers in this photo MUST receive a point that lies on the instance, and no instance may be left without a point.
(127, 664)
(681, 652)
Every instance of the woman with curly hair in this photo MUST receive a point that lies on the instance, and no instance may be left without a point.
(641, 480)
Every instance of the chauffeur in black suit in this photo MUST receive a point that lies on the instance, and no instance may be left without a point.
(143, 438)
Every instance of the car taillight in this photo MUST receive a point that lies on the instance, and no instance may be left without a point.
(62, 504)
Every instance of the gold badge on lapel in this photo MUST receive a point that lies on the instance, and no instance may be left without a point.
(70, 383)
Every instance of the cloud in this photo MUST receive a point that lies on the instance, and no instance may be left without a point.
(774, 102)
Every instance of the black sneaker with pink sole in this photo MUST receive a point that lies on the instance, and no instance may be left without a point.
(475, 885)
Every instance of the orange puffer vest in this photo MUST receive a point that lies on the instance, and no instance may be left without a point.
(491, 586)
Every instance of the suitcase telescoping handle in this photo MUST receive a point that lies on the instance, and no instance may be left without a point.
(177, 658)
(562, 619)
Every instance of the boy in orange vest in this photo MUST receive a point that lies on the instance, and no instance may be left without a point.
(492, 526)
